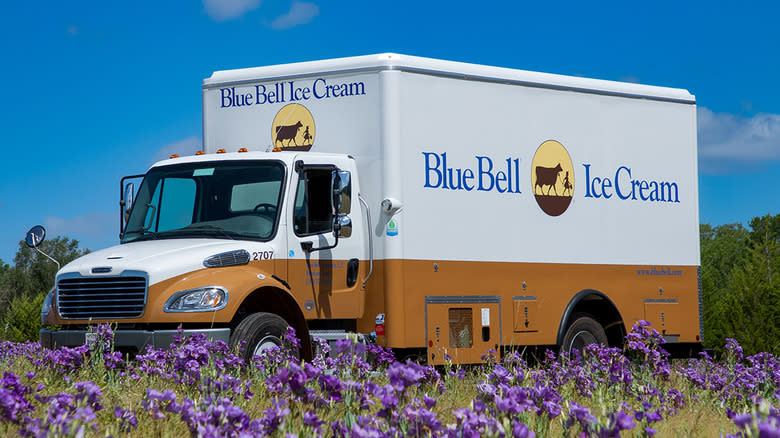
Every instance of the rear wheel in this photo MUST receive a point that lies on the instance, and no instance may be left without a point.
(261, 331)
(583, 331)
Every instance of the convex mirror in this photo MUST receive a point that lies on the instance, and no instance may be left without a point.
(35, 236)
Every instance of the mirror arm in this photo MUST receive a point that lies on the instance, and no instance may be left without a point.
(49, 257)
(308, 246)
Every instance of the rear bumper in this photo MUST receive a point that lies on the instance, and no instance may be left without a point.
(137, 339)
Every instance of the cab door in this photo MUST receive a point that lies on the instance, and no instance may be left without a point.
(327, 280)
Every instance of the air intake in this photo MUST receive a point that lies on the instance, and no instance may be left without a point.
(101, 297)
(230, 258)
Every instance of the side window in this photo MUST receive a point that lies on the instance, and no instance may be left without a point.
(178, 197)
(312, 213)
(150, 219)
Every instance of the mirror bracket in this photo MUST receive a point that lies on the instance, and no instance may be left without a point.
(35, 237)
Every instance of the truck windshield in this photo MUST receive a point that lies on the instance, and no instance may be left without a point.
(223, 199)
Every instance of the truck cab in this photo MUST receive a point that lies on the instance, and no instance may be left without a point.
(214, 241)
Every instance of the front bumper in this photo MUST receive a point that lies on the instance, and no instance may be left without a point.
(137, 339)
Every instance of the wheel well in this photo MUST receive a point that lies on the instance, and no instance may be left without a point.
(601, 308)
(279, 302)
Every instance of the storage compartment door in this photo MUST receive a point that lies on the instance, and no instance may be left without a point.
(664, 315)
(465, 328)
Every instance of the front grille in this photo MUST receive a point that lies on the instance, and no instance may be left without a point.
(101, 297)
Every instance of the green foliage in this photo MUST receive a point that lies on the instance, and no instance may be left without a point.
(24, 286)
(741, 284)
(21, 320)
(33, 273)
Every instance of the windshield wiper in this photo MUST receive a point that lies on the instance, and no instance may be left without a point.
(209, 227)
(143, 233)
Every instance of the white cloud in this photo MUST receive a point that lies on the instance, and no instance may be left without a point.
(185, 147)
(731, 143)
(95, 226)
(223, 10)
(300, 13)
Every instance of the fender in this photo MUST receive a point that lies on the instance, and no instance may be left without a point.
(570, 309)
(273, 295)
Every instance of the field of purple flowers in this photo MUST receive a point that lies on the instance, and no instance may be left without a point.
(202, 388)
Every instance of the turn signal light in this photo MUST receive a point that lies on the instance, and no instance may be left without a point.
(220, 151)
(199, 153)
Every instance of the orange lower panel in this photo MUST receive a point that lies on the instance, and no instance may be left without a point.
(530, 298)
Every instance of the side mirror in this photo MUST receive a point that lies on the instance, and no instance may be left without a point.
(35, 236)
(128, 198)
(345, 225)
(340, 191)
(341, 188)
(335, 190)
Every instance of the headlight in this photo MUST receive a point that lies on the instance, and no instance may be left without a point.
(202, 299)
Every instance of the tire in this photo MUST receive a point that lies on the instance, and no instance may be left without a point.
(260, 331)
(582, 332)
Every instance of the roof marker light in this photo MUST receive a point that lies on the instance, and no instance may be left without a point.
(220, 151)
(243, 150)
(174, 156)
(199, 153)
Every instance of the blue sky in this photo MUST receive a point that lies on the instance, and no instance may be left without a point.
(95, 90)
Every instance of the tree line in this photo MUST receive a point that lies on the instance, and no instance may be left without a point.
(740, 276)
(740, 270)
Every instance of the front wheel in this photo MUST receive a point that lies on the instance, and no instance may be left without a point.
(582, 332)
(261, 331)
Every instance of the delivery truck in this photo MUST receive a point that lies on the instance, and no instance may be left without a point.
(437, 208)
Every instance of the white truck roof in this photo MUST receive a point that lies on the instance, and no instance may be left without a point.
(393, 61)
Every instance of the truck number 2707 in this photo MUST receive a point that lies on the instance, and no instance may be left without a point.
(262, 255)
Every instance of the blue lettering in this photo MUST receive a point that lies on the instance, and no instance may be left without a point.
(293, 96)
(318, 93)
(617, 181)
(500, 177)
(606, 184)
(596, 181)
(260, 96)
(642, 187)
(435, 169)
(468, 174)
(455, 185)
(666, 189)
(587, 181)
(226, 97)
(444, 169)
(485, 172)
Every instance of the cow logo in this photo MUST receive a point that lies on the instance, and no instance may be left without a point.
(293, 129)
(552, 178)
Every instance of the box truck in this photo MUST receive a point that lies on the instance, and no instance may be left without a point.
(437, 208)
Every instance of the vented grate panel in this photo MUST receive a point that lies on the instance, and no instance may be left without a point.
(230, 258)
(101, 297)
